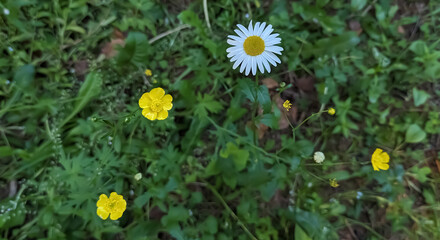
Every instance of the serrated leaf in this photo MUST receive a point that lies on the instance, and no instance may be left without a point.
(414, 134)
(207, 104)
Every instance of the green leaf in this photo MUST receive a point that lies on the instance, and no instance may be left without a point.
(300, 234)
(239, 156)
(268, 190)
(358, 4)
(210, 225)
(248, 88)
(24, 77)
(256, 93)
(175, 215)
(89, 89)
(205, 104)
(5, 151)
(414, 134)
(339, 44)
(135, 51)
(263, 98)
(419, 48)
(420, 97)
(421, 173)
(191, 18)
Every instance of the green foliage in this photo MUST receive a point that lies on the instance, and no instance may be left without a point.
(229, 162)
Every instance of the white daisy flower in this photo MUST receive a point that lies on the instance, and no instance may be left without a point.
(254, 48)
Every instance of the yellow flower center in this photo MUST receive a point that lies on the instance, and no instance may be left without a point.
(156, 106)
(253, 46)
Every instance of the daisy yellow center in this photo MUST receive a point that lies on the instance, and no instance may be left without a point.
(253, 46)
(156, 106)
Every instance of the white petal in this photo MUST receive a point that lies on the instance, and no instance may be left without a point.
(254, 66)
(243, 29)
(245, 63)
(233, 49)
(272, 42)
(236, 38)
(274, 57)
(269, 59)
(260, 63)
(260, 31)
(274, 49)
(251, 29)
(235, 56)
(256, 28)
(266, 32)
(272, 36)
(248, 65)
(239, 60)
(233, 42)
(266, 64)
(240, 33)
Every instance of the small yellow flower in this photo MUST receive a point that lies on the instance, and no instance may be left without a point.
(333, 183)
(155, 104)
(113, 206)
(380, 160)
(287, 105)
(331, 111)
(148, 73)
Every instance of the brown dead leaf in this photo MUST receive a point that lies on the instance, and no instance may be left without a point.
(109, 49)
(355, 26)
(270, 83)
(262, 129)
(81, 67)
(306, 83)
(401, 30)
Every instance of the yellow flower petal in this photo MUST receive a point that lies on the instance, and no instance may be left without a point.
(375, 166)
(149, 114)
(121, 205)
(166, 101)
(383, 166)
(162, 115)
(116, 214)
(103, 201)
(380, 160)
(145, 100)
(102, 213)
(157, 93)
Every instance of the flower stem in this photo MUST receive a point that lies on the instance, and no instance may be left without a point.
(220, 198)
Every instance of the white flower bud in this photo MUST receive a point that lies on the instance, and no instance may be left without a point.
(138, 176)
(319, 157)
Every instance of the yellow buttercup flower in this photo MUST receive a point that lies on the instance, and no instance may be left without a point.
(380, 160)
(333, 183)
(113, 206)
(331, 111)
(287, 105)
(148, 72)
(155, 104)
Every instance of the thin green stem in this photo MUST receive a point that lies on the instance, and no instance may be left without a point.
(223, 202)
(365, 226)
(250, 144)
